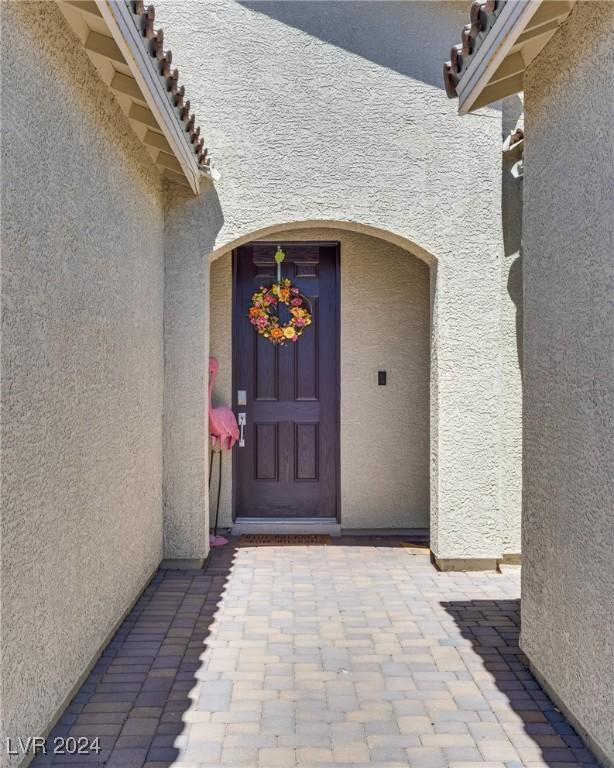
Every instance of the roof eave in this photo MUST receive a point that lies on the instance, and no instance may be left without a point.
(497, 69)
(120, 22)
(492, 52)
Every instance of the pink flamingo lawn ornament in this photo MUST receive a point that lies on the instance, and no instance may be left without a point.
(224, 432)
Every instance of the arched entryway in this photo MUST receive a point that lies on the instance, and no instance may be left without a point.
(384, 326)
(465, 389)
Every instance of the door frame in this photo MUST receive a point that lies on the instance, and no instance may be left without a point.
(236, 318)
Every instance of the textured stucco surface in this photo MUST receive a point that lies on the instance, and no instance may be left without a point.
(82, 276)
(511, 339)
(568, 525)
(335, 112)
(384, 445)
(188, 233)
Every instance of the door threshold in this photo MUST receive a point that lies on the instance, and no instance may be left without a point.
(273, 525)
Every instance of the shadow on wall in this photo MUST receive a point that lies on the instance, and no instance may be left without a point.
(410, 38)
(511, 217)
(534, 731)
(514, 289)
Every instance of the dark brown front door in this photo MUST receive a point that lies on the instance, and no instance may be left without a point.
(288, 466)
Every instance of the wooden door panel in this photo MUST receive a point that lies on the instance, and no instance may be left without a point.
(306, 363)
(289, 465)
(265, 370)
(266, 440)
(306, 446)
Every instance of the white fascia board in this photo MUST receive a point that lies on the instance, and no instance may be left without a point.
(121, 24)
(498, 42)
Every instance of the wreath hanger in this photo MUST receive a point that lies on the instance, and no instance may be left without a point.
(279, 257)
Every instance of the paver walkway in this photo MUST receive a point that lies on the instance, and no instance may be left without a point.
(356, 654)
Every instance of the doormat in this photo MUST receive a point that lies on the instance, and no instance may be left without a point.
(416, 547)
(283, 540)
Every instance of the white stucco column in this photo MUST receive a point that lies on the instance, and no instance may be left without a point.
(190, 226)
(465, 405)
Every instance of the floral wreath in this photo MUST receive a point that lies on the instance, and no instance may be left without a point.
(266, 321)
(262, 317)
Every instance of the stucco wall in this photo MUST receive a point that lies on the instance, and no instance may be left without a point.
(335, 112)
(384, 430)
(568, 525)
(82, 275)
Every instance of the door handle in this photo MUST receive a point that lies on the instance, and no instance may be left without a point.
(242, 422)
